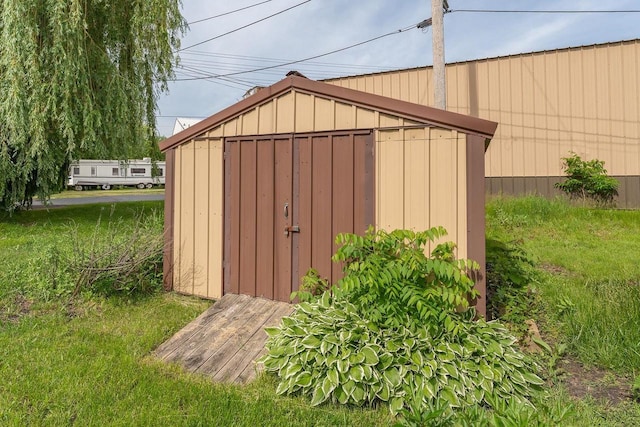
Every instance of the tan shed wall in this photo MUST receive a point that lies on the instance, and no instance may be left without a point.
(420, 179)
(585, 100)
(198, 218)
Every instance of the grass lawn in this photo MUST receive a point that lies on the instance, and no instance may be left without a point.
(72, 194)
(588, 299)
(90, 361)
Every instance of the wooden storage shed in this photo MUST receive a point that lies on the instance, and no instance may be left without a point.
(256, 193)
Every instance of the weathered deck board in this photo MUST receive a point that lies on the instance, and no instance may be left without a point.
(224, 341)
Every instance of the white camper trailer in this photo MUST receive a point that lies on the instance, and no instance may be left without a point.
(86, 174)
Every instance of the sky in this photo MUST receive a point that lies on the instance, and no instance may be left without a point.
(315, 27)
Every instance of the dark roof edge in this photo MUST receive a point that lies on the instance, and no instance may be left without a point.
(226, 114)
(420, 113)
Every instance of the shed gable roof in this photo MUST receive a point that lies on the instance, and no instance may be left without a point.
(415, 112)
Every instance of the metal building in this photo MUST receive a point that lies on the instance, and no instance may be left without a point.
(582, 99)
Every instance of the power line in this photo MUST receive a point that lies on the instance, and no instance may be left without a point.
(543, 11)
(402, 30)
(265, 59)
(244, 26)
(228, 13)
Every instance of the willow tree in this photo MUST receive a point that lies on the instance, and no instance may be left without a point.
(78, 78)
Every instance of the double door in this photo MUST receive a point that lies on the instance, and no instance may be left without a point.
(286, 198)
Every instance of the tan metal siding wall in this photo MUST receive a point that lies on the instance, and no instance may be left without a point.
(421, 181)
(198, 218)
(420, 176)
(585, 100)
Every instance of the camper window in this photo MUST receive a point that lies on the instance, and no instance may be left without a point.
(76, 171)
(141, 171)
(93, 171)
(115, 171)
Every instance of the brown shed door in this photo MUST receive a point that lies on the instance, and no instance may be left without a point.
(286, 198)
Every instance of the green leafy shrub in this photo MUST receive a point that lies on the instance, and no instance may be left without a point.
(398, 329)
(388, 277)
(588, 179)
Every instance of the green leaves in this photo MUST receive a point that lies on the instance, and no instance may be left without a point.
(406, 367)
(78, 79)
(370, 356)
(397, 331)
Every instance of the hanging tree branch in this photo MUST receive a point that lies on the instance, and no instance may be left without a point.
(78, 78)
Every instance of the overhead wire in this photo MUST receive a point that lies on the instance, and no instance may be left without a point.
(228, 13)
(270, 67)
(243, 27)
(215, 59)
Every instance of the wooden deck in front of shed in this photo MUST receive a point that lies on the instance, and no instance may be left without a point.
(225, 341)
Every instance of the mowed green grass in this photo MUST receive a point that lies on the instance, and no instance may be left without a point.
(90, 361)
(73, 194)
(590, 285)
(98, 369)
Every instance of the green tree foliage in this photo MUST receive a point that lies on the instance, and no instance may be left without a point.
(78, 78)
(588, 179)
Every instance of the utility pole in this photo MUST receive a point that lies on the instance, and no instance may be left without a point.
(437, 26)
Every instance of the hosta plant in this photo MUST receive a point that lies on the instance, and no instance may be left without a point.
(328, 351)
(398, 329)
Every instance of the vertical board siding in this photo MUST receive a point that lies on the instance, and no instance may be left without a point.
(444, 177)
(305, 207)
(389, 180)
(283, 154)
(248, 214)
(336, 193)
(305, 112)
(177, 219)
(416, 180)
(187, 226)
(215, 232)
(169, 222)
(421, 182)
(264, 218)
(201, 218)
(321, 208)
(232, 218)
(342, 193)
(585, 100)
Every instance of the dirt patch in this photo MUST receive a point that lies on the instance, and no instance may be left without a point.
(14, 310)
(554, 269)
(601, 384)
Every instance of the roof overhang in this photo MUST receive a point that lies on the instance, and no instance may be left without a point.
(415, 112)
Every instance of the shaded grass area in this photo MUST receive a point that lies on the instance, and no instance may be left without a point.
(590, 285)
